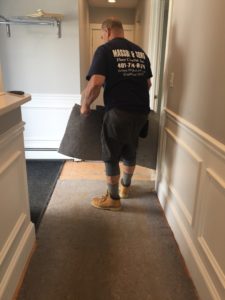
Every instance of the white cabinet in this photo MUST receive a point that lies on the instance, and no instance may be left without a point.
(17, 235)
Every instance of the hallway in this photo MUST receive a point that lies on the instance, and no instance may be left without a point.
(85, 253)
(191, 161)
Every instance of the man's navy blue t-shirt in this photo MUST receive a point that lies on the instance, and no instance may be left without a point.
(126, 68)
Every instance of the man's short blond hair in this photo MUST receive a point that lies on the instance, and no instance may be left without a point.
(112, 23)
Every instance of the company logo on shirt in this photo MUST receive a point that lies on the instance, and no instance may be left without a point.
(127, 53)
(130, 63)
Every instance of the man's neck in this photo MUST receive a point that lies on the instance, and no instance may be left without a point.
(114, 36)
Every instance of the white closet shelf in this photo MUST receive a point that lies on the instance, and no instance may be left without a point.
(31, 21)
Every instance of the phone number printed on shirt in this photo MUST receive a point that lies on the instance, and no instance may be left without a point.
(130, 63)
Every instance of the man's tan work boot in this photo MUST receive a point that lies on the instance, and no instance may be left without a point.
(124, 191)
(106, 202)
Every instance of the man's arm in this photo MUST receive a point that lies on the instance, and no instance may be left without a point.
(149, 83)
(91, 92)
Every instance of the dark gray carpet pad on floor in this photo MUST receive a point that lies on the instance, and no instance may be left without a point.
(84, 253)
(42, 176)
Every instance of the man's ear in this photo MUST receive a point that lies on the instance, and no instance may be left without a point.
(109, 32)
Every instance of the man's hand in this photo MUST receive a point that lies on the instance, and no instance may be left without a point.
(85, 110)
(91, 93)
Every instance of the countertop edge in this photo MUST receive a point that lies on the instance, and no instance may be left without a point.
(9, 102)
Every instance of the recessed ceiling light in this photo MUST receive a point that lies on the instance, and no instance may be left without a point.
(112, 1)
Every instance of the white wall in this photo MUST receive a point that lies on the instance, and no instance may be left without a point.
(196, 57)
(192, 174)
(142, 23)
(84, 38)
(1, 80)
(36, 61)
(99, 14)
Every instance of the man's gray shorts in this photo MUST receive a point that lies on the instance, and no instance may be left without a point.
(120, 133)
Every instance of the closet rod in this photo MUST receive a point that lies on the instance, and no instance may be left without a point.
(49, 21)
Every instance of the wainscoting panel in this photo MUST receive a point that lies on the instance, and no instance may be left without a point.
(17, 234)
(183, 171)
(46, 117)
(10, 240)
(212, 224)
(191, 190)
(10, 172)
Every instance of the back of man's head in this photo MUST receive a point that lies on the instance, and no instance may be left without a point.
(113, 24)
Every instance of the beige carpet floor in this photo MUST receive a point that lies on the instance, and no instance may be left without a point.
(84, 253)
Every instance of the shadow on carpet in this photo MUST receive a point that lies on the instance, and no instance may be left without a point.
(42, 176)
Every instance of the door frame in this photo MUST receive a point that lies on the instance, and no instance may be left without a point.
(97, 26)
(155, 48)
(162, 118)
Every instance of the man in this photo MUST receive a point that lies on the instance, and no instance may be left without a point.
(124, 70)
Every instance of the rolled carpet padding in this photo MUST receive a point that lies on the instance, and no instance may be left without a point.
(82, 137)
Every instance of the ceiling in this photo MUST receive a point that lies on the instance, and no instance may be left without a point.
(119, 3)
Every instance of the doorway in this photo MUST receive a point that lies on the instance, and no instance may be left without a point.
(145, 23)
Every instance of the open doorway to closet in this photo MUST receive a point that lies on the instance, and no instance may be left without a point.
(145, 23)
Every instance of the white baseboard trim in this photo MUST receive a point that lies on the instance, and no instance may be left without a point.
(15, 269)
(45, 154)
(199, 274)
(52, 101)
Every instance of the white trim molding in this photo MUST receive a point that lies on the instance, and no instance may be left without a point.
(45, 154)
(17, 231)
(209, 141)
(195, 265)
(56, 101)
(10, 280)
(217, 179)
(181, 143)
(11, 134)
(11, 238)
(46, 117)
